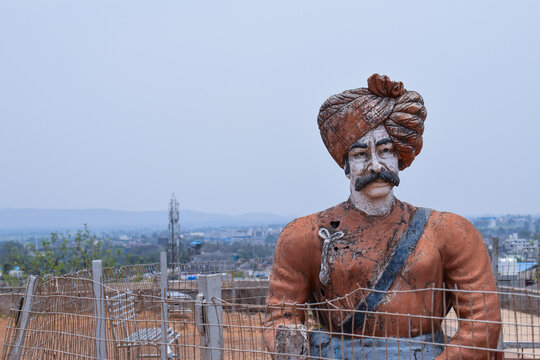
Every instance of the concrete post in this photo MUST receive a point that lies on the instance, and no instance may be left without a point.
(99, 310)
(22, 325)
(164, 305)
(212, 317)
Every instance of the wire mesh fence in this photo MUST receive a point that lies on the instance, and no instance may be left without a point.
(217, 310)
(56, 318)
(245, 281)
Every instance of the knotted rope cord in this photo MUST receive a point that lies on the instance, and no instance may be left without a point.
(324, 274)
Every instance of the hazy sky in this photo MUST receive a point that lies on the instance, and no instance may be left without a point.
(117, 104)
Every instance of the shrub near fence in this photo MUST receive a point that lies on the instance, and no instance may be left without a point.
(206, 310)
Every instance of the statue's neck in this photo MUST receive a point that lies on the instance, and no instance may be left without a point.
(370, 206)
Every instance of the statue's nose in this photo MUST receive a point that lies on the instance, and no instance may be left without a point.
(374, 164)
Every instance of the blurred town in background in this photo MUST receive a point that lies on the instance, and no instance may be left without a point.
(40, 251)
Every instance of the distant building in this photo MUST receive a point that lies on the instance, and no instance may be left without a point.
(517, 245)
(16, 272)
(211, 262)
(196, 234)
(195, 247)
(242, 234)
(516, 274)
(215, 256)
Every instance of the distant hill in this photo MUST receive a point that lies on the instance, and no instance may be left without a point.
(104, 219)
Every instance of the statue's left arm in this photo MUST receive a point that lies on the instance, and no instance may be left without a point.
(291, 282)
(469, 275)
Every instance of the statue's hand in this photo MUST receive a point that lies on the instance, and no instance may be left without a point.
(291, 342)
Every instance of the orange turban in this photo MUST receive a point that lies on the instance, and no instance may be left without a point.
(346, 117)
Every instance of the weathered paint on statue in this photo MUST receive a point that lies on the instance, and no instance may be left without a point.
(373, 241)
(372, 168)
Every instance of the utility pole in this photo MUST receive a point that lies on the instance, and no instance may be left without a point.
(174, 230)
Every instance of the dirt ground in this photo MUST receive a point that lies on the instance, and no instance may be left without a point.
(3, 324)
(246, 338)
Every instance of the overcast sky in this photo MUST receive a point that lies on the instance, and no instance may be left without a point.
(118, 104)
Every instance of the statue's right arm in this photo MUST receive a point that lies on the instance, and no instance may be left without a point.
(292, 279)
(467, 269)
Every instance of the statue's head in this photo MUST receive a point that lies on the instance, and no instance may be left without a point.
(373, 132)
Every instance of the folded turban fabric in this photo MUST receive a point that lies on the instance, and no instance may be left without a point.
(346, 117)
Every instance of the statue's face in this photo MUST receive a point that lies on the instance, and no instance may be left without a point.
(373, 164)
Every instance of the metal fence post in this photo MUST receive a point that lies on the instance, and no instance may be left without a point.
(233, 286)
(495, 257)
(495, 268)
(164, 307)
(99, 310)
(212, 328)
(22, 325)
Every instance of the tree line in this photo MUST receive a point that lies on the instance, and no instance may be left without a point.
(62, 253)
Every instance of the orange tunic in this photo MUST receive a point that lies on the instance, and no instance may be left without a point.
(449, 253)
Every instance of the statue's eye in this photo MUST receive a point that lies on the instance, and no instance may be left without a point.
(385, 150)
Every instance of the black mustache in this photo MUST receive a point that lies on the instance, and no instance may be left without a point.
(387, 176)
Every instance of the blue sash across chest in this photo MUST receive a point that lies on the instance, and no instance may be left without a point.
(406, 245)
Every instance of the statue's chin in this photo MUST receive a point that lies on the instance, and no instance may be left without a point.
(377, 190)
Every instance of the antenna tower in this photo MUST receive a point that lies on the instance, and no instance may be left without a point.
(174, 230)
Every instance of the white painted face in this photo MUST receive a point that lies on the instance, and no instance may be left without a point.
(373, 152)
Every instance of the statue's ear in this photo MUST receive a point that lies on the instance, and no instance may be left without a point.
(347, 169)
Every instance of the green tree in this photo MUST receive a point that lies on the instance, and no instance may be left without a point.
(61, 253)
(7, 262)
(88, 247)
(48, 260)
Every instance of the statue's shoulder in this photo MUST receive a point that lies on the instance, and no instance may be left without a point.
(460, 244)
(444, 218)
(452, 226)
(307, 227)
